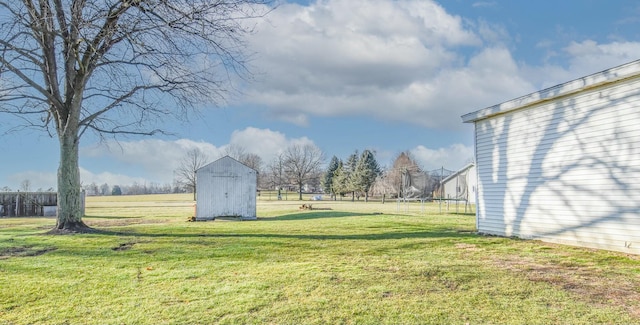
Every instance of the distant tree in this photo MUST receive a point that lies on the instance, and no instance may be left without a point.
(276, 173)
(25, 186)
(365, 173)
(190, 163)
(92, 189)
(340, 180)
(403, 165)
(5, 189)
(236, 152)
(116, 190)
(115, 67)
(350, 168)
(302, 164)
(104, 189)
(327, 180)
(254, 161)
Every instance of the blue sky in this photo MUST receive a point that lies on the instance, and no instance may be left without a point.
(385, 75)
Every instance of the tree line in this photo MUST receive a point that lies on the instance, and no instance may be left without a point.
(299, 168)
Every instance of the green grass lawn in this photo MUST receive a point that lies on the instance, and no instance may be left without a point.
(341, 263)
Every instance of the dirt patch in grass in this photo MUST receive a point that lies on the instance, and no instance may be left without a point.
(23, 251)
(124, 246)
(589, 284)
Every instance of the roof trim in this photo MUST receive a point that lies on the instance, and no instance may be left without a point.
(463, 169)
(225, 157)
(625, 71)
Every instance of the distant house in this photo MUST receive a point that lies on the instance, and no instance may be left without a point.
(226, 188)
(563, 164)
(459, 186)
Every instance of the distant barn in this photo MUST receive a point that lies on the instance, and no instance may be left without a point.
(226, 188)
(30, 204)
(563, 164)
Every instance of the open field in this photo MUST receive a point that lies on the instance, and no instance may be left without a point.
(342, 263)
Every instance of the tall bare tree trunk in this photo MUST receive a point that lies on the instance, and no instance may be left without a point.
(300, 191)
(69, 193)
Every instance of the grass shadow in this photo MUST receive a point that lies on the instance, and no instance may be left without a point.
(111, 217)
(315, 215)
(451, 233)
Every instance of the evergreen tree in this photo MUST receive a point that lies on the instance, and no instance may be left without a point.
(365, 173)
(339, 181)
(116, 190)
(351, 179)
(327, 181)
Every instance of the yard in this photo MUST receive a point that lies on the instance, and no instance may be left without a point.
(342, 262)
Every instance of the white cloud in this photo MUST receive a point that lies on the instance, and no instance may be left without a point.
(393, 60)
(480, 4)
(590, 57)
(110, 178)
(452, 157)
(37, 180)
(264, 142)
(582, 59)
(159, 158)
(408, 61)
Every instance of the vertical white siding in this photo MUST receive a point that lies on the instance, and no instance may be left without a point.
(565, 170)
(226, 188)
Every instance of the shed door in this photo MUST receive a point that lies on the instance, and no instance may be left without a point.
(229, 195)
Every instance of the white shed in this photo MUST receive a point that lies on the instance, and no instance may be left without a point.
(461, 185)
(226, 188)
(563, 164)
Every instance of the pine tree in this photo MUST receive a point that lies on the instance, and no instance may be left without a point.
(327, 181)
(366, 172)
(339, 181)
(351, 179)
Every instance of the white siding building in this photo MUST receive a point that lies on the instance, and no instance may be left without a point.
(563, 164)
(226, 188)
(461, 185)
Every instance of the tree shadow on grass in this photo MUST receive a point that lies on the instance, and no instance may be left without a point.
(110, 217)
(314, 215)
(450, 234)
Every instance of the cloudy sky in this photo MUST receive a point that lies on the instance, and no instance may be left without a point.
(385, 75)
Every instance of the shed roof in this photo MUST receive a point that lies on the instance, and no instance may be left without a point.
(609, 76)
(227, 157)
(460, 171)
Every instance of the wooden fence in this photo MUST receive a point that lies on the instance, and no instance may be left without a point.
(30, 204)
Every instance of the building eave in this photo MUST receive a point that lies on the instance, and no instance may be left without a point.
(606, 77)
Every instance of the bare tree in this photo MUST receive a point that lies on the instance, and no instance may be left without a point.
(186, 173)
(25, 186)
(252, 160)
(302, 164)
(236, 152)
(115, 67)
(276, 176)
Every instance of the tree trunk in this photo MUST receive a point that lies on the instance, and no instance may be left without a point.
(70, 211)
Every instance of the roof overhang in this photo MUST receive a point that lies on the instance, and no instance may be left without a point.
(613, 75)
